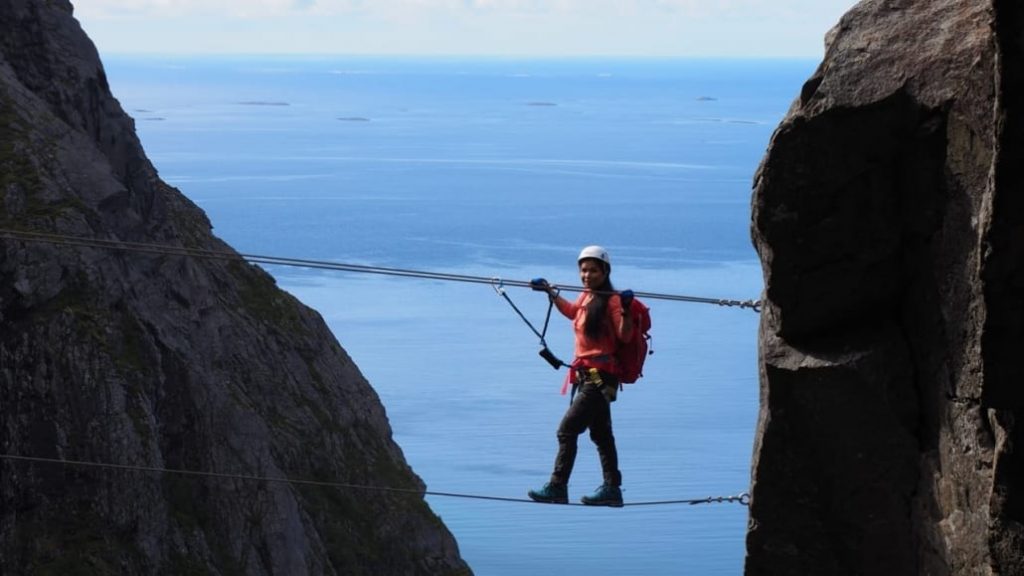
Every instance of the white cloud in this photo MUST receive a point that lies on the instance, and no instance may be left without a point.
(268, 8)
(182, 8)
(499, 27)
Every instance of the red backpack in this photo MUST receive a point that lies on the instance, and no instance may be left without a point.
(630, 356)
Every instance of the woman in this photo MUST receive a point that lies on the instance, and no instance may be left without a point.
(601, 320)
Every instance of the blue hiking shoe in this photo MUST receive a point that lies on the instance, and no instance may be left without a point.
(550, 493)
(606, 495)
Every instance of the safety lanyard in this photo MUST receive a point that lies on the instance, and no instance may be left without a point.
(545, 352)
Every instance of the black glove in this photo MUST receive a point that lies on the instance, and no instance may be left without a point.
(539, 284)
(626, 297)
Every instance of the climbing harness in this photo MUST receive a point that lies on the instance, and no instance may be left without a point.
(545, 352)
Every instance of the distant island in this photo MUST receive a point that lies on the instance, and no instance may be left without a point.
(706, 99)
(263, 103)
(353, 119)
(541, 104)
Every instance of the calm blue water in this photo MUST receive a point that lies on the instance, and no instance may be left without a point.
(505, 168)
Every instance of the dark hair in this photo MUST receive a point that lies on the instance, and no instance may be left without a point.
(595, 325)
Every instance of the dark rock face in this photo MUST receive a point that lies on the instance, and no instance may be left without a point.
(169, 362)
(889, 219)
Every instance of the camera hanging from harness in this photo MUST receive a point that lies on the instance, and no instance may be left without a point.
(545, 352)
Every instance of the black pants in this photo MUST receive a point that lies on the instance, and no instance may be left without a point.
(589, 409)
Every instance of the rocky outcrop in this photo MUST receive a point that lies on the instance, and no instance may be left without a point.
(166, 362)
(889, 220)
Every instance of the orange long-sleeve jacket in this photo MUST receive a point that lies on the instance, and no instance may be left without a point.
(603, 348)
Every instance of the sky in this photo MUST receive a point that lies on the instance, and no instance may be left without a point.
(509, 28)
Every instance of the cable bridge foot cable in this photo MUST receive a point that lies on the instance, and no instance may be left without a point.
(743, 499)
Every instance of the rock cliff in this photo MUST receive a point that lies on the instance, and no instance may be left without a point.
(166, 362)
(889, 219)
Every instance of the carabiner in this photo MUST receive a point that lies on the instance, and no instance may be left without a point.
(499, 285)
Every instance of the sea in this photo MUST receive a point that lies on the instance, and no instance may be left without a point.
(503, 169)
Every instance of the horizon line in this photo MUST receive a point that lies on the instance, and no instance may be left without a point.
(463, 56)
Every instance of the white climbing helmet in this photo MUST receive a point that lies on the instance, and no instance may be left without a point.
(595, 252)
